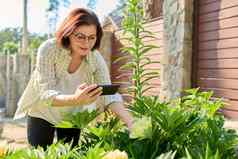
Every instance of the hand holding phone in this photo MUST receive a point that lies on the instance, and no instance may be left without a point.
(86, 94)
(109, 89)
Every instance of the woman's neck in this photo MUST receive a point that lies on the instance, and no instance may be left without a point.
(75, 55)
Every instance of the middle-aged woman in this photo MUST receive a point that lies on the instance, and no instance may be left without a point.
(68, 69)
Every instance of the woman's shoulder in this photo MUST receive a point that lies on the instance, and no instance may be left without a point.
(97, 55)
(49, 43)
(47, 47)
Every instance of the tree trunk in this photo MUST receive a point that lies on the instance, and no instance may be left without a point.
(152, 8)
(25, 32)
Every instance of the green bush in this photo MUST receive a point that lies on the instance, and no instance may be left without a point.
(190, 125)
(191, 122)
(54, 151)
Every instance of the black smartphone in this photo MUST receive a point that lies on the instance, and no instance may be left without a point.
(109, 89)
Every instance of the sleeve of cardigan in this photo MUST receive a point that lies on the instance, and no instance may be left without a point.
(45, 69)
(102, 76)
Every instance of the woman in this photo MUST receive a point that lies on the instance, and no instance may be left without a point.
(68, 69)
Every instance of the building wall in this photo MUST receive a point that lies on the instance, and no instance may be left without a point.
(216, 58)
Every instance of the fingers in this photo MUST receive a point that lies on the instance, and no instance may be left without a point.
(90, 88)
(95, 92)
(82, 86)
(89, 93)
(95, 96)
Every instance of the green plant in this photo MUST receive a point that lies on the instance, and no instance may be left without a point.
(202, 102)
(79, 119)
(10, 47)
(109, 134)
(54, 151)
(191, 121)
(208, 154)
(137, 50)
(168, 155)
(95, 152)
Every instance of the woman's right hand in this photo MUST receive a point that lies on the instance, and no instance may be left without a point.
(87, 94)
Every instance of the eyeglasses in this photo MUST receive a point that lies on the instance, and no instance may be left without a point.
(83, 38)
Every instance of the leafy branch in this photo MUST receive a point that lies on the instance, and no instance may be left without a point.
(134, 33)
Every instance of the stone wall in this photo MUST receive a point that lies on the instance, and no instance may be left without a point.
(177, 58)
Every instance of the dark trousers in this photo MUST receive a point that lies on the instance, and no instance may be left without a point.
(41, 133)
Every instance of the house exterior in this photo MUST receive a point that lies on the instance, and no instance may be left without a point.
(215, 62)
(198, 43)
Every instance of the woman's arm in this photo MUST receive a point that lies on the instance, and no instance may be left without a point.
(45, 68)
(83, 95)
(64, 100)
(120, 110)
(115, 102)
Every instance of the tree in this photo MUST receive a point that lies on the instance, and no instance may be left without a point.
(10, 35)
(92, 4)
(14, 35)
(121, 3)
(10, 47)
(35, 40)
(25, 32)
(53, 13)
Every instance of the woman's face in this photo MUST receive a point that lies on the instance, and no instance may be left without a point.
(83, 39)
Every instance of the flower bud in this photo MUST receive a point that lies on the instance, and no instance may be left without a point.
(117, 154)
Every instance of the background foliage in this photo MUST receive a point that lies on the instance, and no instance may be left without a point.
(10, 40)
